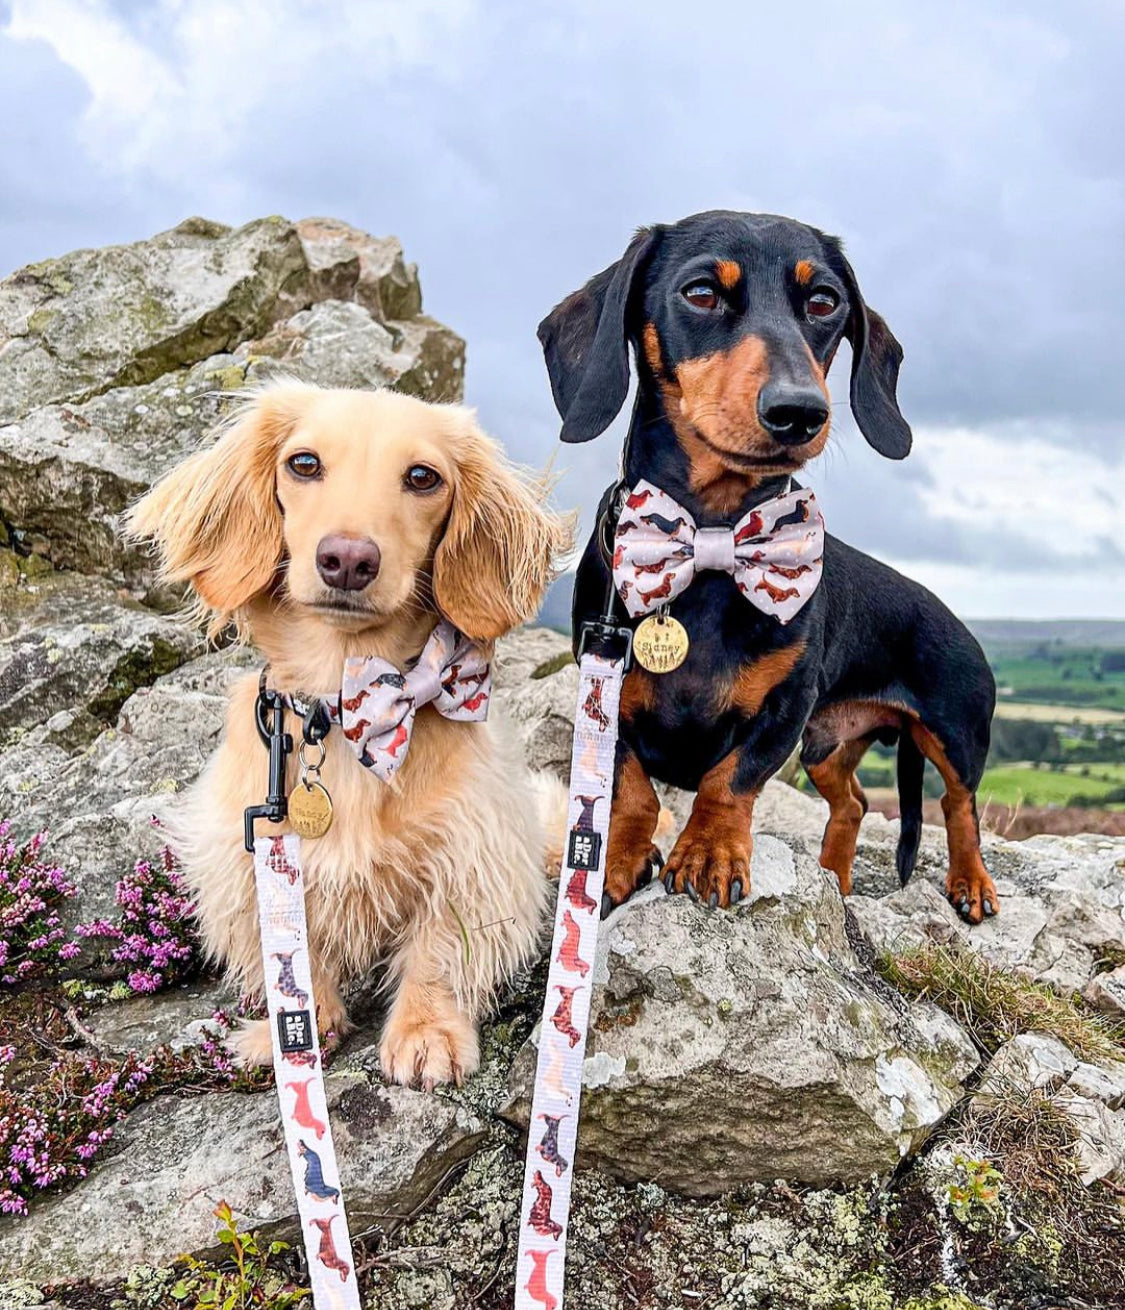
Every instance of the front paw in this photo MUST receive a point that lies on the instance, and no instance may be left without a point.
(251, 1043)
(712, 867)
(625, 875)
(427, 1051)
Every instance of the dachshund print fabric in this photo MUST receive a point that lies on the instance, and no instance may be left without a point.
(301, 1096)
(566, 1015)
(774, 553)
(377, 703)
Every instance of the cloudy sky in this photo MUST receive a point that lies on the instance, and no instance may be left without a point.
(971, 156)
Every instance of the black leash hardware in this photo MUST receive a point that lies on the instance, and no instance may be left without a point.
(605, 636)
(269, 715)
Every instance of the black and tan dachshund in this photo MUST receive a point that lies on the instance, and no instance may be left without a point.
(734, 320)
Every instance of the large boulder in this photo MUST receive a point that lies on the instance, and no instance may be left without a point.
(114, 363)
(175, 1158)
(729, 1048)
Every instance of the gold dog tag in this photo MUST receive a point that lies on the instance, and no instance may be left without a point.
(310, 809)
(660, 643)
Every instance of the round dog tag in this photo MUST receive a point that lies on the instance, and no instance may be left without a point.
(310, 810)
(660, 643)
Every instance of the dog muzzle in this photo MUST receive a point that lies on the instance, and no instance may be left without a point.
(774, 553)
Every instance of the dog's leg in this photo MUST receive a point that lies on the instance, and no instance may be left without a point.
(835, 779)
(428, 1037)
(970, 890)
(711, 859)
(631, 854)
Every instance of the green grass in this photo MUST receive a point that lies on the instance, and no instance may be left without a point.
(1058, 675)
(1012, 784)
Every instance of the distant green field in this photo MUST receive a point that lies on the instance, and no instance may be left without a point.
(1060, 675)
(1011, 784)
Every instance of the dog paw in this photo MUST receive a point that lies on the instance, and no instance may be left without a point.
(251, 1043)
(972, 894)
(625, 876)
(425, 1053)
(713, 869)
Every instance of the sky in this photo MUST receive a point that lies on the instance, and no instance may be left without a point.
(971, 156)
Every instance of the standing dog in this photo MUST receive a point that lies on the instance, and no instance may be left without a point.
(329, 525)
(734, 320)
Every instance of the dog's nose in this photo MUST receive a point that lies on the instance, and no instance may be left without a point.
(791, 414)
(347, 563)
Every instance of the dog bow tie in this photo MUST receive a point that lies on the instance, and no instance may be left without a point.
(378, 702)
(774, 553)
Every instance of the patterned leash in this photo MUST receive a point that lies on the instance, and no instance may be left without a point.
(297, 1065)
(553, 1131)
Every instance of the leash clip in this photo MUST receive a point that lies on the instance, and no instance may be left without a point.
(269, 717)
(604, 635)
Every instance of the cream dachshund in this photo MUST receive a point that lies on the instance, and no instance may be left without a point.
(332, 524)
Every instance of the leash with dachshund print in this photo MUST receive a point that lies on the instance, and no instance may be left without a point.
(774, 554)
(297, 1061)
(375, 711)
(604, 655)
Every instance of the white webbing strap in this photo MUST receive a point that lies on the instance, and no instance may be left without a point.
(553, 1131)
(300, 1078)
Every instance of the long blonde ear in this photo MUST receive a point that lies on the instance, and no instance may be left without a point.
(501, 543)
(215, 518)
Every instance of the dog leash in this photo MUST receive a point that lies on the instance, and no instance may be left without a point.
(604, 655)
(297, 1064)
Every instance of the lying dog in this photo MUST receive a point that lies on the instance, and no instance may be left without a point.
(334, 524)
(734, 320)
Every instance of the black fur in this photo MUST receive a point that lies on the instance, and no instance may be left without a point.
(869, 634)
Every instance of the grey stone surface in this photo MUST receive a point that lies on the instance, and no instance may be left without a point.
(1091, 1095)
(175, 1158)
(115, 363)
(740, 1047)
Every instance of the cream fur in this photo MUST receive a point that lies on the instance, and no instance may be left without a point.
(438, 874)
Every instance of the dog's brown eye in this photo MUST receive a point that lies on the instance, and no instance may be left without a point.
(420, 477)
(304, 464)
(821, 303)
(701, 294)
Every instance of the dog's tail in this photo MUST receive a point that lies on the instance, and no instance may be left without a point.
(911, 766)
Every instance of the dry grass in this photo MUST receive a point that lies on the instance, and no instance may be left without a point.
(996, 1004)
(1015, 822)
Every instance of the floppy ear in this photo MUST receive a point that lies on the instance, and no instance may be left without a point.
(586, 346)
(214, 518)
(876, 356)
(498, 553)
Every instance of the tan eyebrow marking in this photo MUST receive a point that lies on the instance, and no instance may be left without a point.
(803, 271)
(728, 272)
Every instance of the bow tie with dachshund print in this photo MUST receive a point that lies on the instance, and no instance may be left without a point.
(774, 553)
(377, 702)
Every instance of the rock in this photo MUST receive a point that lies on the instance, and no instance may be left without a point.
(339, 344)
(740, 1047)
(123, 315)
(1062, 907)
(1106, 991)
(98, 805)
(347, 264)
(84, 652)
(1091, 1095)
(114, 363)
(179, 1017)
(154, 1195)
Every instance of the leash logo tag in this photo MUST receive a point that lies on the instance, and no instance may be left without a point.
(585, 850)
(294, 1030)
